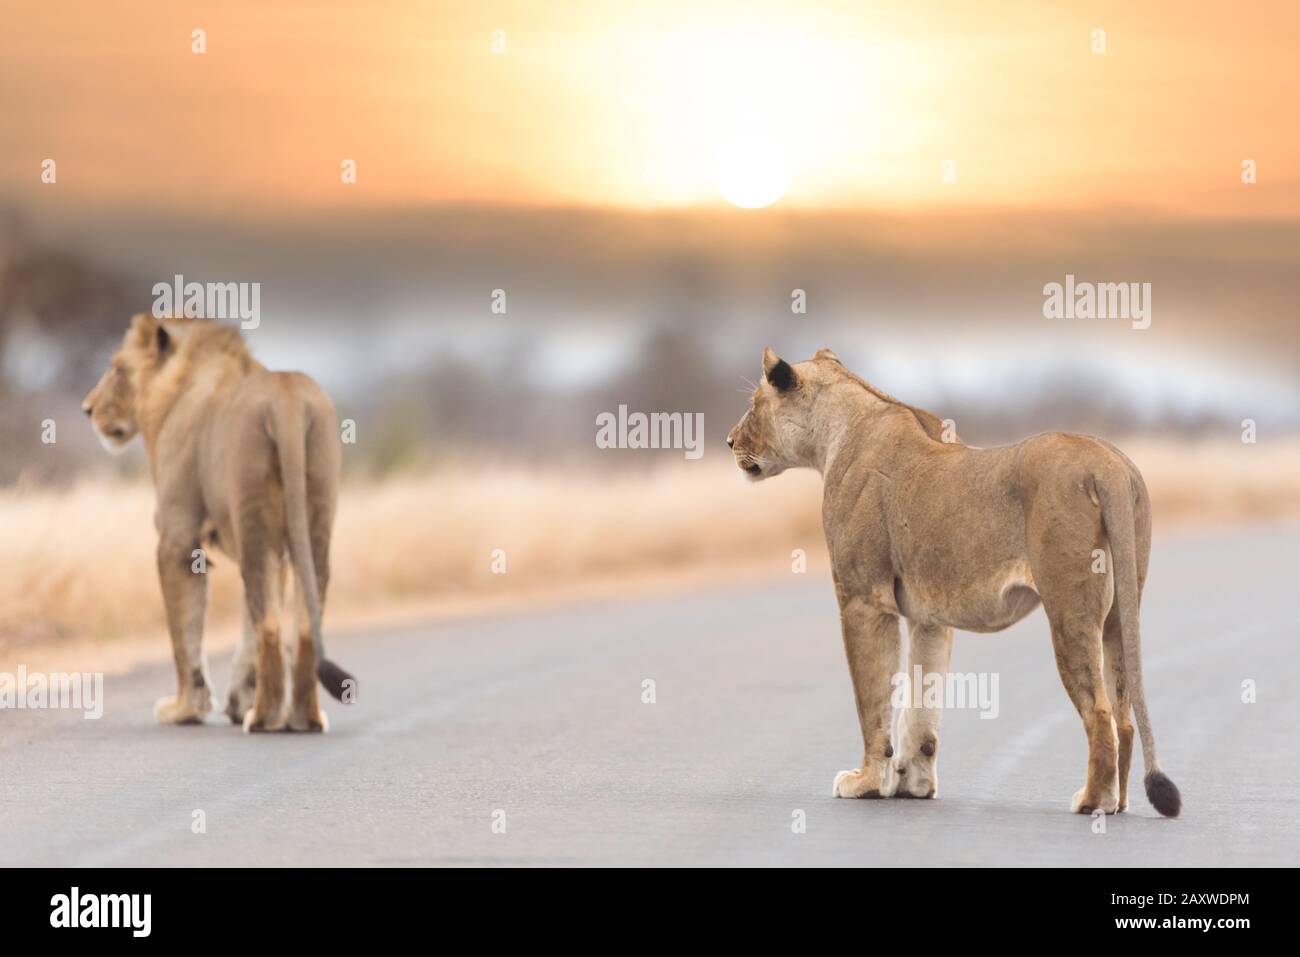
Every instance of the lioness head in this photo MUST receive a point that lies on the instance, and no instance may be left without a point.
(111, 404)
(778, 431)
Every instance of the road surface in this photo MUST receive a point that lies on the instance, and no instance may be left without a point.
(535, 723)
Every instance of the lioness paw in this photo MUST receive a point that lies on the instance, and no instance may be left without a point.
(238, 705)
(255, 723)
(916, 769)
(1082, 804)
(839, 778)
(917, 777)
(317, 723)
(240, 698)
(187, 710)
(857, 784)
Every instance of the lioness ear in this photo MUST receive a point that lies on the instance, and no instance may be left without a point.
(778, 372)
(143, 329)
(164, 340)
(826, 354)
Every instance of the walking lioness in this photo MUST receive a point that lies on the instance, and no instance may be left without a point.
(949, 536)
(248, 460)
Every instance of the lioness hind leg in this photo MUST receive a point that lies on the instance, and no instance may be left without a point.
(305, 713)
(1079, 660)
(1065, 531)
(243, 673)
(1113, 650)
(263, 581)
(917, 763)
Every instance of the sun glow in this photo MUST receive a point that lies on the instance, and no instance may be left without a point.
(751, 171)
(633, 104)
(748, 106)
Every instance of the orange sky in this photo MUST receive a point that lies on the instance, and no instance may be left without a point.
(606, 103)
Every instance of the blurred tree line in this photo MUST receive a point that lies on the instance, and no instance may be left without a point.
(59, 314)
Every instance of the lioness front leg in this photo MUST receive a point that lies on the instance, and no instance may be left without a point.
(871, 643)
(917, 764)
(185, 593)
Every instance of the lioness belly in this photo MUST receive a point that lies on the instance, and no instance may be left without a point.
(981, 603)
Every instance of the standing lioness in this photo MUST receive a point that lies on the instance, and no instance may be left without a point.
(245, 459)
(949, 536)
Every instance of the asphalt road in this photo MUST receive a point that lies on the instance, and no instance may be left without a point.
(537, 721)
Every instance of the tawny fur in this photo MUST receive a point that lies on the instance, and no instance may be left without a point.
(244, 459)
(923, 527)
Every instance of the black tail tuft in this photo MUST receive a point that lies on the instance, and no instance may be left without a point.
(343, 687)
(1163, 794)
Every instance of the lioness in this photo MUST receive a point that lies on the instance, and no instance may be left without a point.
(245, 459)
(950, 536)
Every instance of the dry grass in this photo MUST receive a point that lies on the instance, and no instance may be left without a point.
(1219, 482)
(80, 563)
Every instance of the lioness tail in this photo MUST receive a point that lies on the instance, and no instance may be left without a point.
(1115, 492)
(335, 680)
(291, 444)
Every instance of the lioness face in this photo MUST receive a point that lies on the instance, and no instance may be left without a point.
(111, 404)
(776, 433)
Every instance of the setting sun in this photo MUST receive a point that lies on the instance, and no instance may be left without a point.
(637, 105)
(751, 171)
